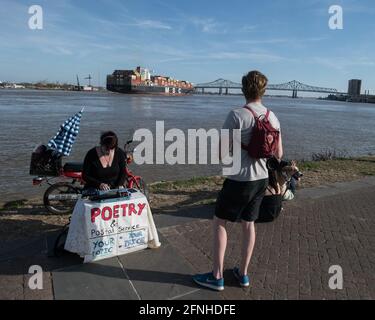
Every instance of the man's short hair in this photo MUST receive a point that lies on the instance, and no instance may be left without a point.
(254, 85)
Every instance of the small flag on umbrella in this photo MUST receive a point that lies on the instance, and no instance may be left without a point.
(66, 136)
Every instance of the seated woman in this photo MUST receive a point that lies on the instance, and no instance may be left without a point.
(283, 178)
(104, 166)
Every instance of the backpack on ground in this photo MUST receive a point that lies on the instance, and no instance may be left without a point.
(264, 137)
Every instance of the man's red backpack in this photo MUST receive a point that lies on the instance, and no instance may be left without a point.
(264, 137)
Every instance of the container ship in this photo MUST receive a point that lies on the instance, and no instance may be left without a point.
(141, 81)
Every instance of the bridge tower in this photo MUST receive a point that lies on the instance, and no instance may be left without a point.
(294, 95)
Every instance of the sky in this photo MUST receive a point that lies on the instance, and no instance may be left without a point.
(199, 41)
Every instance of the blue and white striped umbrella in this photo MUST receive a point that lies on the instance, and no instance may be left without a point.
(66, 136)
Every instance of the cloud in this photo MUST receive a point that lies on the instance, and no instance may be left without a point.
(254, 56)
(341, 63)
(151, 24)
(174, 55)
(265, 41)
(207, 25)
(281, 40)
(57, 51)
(249, 28)
(63, 51)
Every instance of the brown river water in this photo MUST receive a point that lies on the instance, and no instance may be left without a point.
(29, 117)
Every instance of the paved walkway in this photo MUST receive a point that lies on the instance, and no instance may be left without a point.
(325, 226)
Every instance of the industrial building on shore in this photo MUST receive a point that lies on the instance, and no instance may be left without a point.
(354, 93)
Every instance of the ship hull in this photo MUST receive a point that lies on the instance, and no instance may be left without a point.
(155, 90)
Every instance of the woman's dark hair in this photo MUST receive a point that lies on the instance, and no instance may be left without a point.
(109, 140)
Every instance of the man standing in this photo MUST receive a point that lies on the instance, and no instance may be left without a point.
(241, 194)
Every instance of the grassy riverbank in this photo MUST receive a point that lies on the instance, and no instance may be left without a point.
(315, 173)
(25, 218)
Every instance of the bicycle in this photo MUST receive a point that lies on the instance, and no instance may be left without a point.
(60, 197)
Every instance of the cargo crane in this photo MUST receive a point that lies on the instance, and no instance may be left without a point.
(78, 85)
(89, 78)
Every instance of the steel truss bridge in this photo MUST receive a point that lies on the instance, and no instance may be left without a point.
(293, 86)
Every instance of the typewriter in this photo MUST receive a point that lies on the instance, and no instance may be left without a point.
(101, 195)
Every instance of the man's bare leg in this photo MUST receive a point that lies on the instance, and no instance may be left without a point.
(248, 242)
(220, 244)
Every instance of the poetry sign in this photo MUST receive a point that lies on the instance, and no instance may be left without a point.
(116, 228)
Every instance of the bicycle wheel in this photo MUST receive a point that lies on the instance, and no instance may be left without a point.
(141, 185)
(60, 198)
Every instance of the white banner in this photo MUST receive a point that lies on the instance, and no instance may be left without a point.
(101, 230)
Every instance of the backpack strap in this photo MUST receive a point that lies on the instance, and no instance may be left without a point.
(267, 114)
(243, 146)
(255, 115)
(252, 111)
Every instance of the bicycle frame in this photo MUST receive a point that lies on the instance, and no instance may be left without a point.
(131, 179)
(76, 176)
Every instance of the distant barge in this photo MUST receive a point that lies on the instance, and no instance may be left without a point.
(140, 81)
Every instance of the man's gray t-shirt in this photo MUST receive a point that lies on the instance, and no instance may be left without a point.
(251, 169)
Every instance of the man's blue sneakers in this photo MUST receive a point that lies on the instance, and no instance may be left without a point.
(244, 280)
(209, 281)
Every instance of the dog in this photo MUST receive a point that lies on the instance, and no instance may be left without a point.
(281, 175)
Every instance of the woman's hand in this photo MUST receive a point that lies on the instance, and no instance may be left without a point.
(104, 187)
